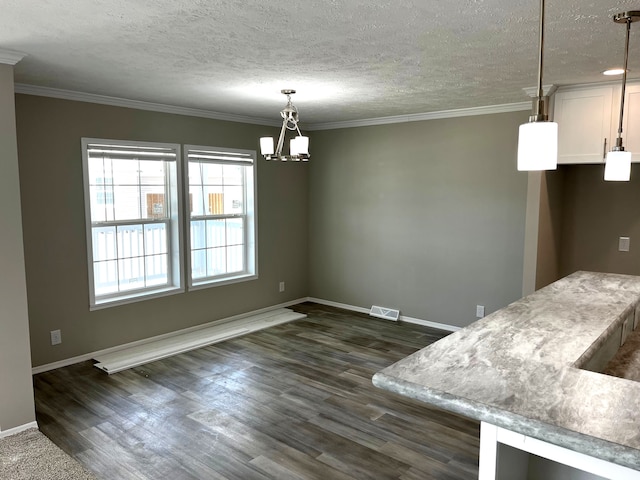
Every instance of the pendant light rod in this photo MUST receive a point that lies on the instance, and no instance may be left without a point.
(541, 48)
(539, 110)
(617, 166)
(628, 18)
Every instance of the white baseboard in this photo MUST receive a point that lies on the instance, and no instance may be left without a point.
(330, 303)
(21, 428)
(428, 323)
(403, 318)
(88, 356)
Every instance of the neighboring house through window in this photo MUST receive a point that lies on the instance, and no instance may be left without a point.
(104, 191)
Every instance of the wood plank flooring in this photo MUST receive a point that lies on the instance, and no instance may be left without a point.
(292, 402)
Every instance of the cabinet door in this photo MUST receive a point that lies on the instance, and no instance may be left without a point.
(584, 124)
(631, 123)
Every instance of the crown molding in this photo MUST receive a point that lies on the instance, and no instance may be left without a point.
(196, 112)
(138, 104)
(609, 83)
(417, 117)
(11, 57)
(547, 90)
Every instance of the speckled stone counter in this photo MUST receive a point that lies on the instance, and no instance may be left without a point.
(516, 369)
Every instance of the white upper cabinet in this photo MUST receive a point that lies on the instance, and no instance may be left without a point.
(588, 122)
(631, 122)
(584, 124)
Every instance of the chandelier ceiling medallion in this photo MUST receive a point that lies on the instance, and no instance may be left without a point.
(299, 145)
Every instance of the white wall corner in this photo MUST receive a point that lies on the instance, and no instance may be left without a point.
(11, 57)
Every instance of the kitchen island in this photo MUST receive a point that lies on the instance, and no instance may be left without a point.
(525, 373)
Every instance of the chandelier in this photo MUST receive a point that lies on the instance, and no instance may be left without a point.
(299, 145)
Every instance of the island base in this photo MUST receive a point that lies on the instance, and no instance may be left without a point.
(507, 455)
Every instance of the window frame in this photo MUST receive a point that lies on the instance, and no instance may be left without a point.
(173, 185)
(250, 215)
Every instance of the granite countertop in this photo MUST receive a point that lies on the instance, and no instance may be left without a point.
(516, 369)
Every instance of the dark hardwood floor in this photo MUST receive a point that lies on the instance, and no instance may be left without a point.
(292, 402)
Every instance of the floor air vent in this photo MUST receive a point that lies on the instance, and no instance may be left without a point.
(386, 313)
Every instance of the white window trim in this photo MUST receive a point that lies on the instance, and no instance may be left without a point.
(176, 257)
(251, 233)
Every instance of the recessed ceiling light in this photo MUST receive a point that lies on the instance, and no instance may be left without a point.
(614, 71)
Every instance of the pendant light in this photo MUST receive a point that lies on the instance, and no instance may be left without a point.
(618, 162)
(538, 139)
(299, 145)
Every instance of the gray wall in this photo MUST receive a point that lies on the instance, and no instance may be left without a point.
(49, 132)
(16, 391)
(595, 214)
(427, 217)
(549, 252)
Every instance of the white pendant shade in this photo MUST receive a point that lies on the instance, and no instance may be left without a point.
(538, 146)
(293, 146)
(618, 167)
(266, 145)
(303, 143)
(299, 145)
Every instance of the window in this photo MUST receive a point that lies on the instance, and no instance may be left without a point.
(133, 210)
(222, 226)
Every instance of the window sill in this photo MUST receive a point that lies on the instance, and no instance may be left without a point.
(134, 298)
(245, 277)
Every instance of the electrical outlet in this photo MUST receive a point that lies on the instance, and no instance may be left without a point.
(281, 287)
(56, 337)
(623, 244)
(479, 311)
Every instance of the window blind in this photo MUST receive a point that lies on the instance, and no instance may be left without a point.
(96, 150)
(214, 156)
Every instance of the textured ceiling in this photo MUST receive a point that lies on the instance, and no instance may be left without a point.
(348, 59)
